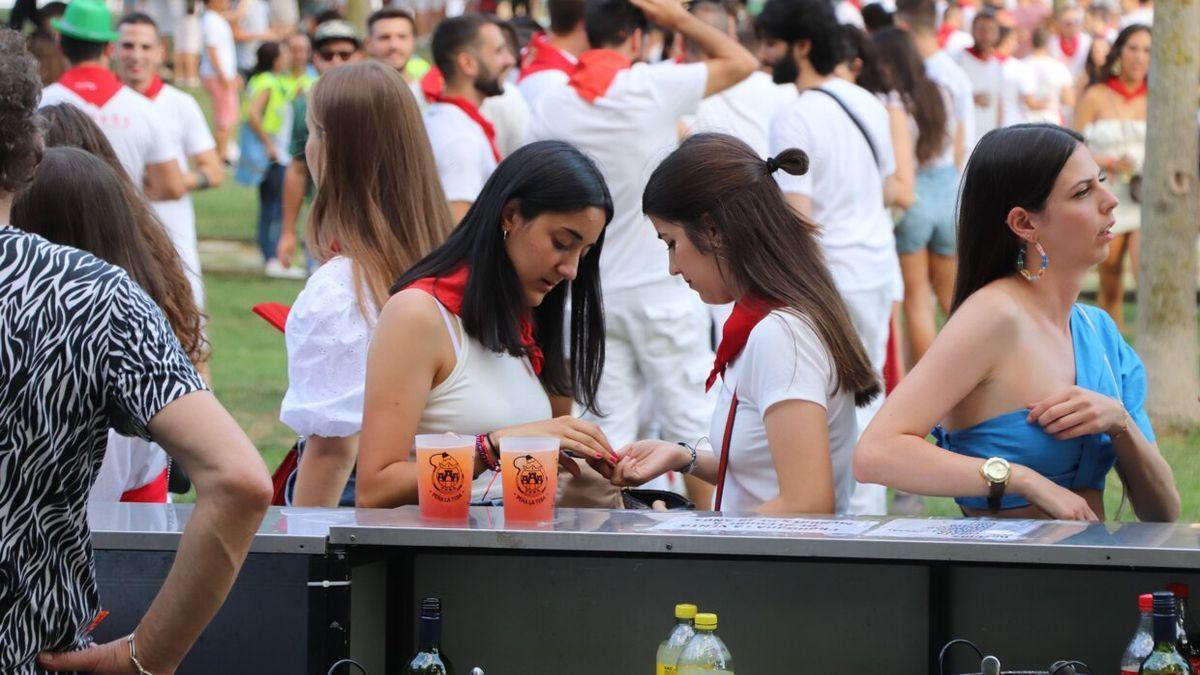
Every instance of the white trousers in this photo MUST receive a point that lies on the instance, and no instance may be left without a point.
(658, 347)
(871, 312)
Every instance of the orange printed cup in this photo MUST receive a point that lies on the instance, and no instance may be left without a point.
(445, 466)
(529, 467)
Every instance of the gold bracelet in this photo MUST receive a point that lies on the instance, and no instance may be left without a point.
(134, 657)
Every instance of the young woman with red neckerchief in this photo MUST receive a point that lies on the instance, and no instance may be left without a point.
(1112, 117)
(476, 339)
(792, 369)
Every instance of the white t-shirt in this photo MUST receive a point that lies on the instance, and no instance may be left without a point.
(848, 14)
(958, 41)
(1078, 60)
(844, 180)
(509, 114)
(129, 463)
(1045, 79)
(327, 340)
(941, 68)
(461, 149)
(217, 33)
(744, 111)
(190, 136)
(256, 20)
(1012, 85)
(627, 131)
(986, 77)
(538, 84)
(129, 122)
(1141, 15)
(784, 360)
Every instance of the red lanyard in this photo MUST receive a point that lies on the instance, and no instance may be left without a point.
(723, 466)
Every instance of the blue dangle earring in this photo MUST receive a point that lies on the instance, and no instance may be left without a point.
(1032, 276)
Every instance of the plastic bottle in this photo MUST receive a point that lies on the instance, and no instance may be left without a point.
(705, 654)
(669, 649)
(1143, 640)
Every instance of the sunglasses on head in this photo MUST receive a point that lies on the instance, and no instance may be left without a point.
(338, 54)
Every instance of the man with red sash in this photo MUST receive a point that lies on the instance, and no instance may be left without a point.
(986, 73)
(1073, 44)
(473, 56)
(550, 59)
(624, 115)
(128, 120)
(139, 59)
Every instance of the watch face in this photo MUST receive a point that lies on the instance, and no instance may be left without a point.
(996, 470)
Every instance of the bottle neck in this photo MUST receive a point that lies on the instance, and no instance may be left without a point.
(430, 634)
(1165, 629)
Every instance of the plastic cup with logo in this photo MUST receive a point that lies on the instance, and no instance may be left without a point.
(445, 467)
(529, 467)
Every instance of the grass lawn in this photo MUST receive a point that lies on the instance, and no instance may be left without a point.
(249, 365)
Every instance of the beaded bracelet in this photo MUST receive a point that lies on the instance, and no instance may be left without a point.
(482, 441)
(134, 657)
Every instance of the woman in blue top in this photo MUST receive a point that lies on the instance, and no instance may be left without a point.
(1037, 396)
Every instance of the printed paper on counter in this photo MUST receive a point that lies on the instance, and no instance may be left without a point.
(963, 528)
(769, 526)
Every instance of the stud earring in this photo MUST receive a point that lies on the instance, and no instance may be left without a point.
(1032, 276)
(505, 235)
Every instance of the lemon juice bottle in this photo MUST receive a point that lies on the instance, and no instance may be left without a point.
(705, 654)
(669, 650)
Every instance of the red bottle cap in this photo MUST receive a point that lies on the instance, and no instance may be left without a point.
(1180, 590)
(1146, 602)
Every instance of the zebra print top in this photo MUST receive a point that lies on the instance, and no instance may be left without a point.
(82, 349)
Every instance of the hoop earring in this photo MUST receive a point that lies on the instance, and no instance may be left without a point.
(1116, 68)
(1032, 276)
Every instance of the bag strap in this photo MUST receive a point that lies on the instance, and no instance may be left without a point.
(853, 118)
(723, 466)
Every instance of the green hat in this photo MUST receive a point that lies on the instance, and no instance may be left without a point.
(87, 20)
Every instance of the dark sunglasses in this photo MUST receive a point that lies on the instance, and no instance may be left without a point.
(339, 54)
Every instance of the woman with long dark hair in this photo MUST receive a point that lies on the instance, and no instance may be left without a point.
(1112, 117)
(473, 339)
(379, 208)
(1034, 396)
(791, 364)
(925, 234)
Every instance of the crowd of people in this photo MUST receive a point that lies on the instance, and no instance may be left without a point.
(703, 248)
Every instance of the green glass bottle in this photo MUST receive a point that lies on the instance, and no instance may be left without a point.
(429, 659)
(1165, 659)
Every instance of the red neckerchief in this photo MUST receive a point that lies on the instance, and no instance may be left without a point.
(595, 72)
(745, 316)
(1068, 47)
(541, 55)
(155, 86)
(943, 35)
(1126, 93)
(449, 291)
(1002, 58)
(975, 52)
(93, 84)
(857, 4)
(433, 85)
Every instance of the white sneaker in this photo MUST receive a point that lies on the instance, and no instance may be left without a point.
(276, 270)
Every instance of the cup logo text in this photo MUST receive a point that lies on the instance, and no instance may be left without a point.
(448, 477)
(531, 480)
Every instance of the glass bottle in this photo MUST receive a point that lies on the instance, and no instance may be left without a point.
(1189, 635)
(429, 659)
(1165, 659)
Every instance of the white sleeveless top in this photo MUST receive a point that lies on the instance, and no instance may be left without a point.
(485, 391)
(1114, 138)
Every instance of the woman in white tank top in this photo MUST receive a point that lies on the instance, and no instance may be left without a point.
(473, 342)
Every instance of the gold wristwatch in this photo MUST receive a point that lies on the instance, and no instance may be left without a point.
(996, 471)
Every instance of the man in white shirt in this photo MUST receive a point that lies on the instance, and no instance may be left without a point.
(550, 59)
(391, 38)
(1072, 45)
(1012, 78)
(846, 132)
(625, 116)
(986, 74)
(128, 120)
(473, 56)
(1049, 89)
(218, 71)
(745, 109)
(918, 17)
(139, 59)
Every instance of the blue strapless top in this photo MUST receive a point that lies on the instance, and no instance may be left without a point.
(1104, 363)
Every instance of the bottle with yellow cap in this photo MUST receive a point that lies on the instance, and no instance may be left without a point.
(669, 650)
(705, 653)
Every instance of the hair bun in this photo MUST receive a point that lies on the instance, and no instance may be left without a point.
(793, 160)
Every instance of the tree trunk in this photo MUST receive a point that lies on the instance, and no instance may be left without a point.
(357, 12)
(1166, 323)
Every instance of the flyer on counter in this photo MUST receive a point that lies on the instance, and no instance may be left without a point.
(775, 526)
(973, 529)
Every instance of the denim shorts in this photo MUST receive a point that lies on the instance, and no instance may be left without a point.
(929, 224)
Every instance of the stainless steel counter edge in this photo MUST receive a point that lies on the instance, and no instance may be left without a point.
(159, 527)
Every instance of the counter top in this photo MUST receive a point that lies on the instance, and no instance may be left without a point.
(309, 531)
